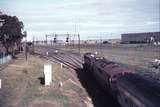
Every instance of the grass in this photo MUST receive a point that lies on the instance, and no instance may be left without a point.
(72, 87)
(57, 96)
(23, 87)
(30, 94)
(54, 93)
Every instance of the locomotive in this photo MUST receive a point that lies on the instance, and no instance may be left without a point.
(129, 88)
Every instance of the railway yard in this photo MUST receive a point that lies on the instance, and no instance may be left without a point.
(23, 85)
(71, 85)
(80, 53)
(75, 61)
(22, 82)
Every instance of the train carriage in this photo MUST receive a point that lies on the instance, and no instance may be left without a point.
(137, 91)
(106, 72)
(129, 88)
(89, 60)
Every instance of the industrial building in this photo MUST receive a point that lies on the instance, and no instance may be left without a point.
(148, 37)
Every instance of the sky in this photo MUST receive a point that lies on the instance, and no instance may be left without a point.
(92, 19)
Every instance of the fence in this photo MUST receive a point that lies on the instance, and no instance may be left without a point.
(5, 58)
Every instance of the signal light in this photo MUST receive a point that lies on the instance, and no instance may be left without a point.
(67, 39)
(55, 40)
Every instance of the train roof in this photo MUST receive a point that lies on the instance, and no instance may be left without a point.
(146, 90)
(111, 68)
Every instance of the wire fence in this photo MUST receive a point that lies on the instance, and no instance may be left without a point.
(5, 58)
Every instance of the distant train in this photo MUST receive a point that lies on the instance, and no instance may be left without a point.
(129, 88)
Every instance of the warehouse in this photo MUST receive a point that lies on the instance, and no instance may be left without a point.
(148, 37)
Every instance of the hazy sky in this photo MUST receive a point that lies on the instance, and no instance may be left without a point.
(108, 18)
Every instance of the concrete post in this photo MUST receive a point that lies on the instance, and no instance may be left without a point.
(48, 74)
(61, 65)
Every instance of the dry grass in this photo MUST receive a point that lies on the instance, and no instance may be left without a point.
(21, 85)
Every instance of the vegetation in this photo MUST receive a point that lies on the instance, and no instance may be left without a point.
(11, 32)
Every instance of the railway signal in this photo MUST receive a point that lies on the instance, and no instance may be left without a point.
(67, 39)
(55, 40)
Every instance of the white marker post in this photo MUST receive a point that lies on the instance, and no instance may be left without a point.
(61, 65)
(48, 74)
(47, 53)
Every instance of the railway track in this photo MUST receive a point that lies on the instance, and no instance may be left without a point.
(99, 97)
(68, 59)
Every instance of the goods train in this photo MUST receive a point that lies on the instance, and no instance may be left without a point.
(129, 88)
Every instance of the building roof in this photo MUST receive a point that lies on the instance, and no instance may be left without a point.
(139, 33)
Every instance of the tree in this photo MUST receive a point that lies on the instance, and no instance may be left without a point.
(11, 32)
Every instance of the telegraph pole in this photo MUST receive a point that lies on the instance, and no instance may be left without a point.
(101, 43)
(33, 45)
(79, 43)
(78, 35)
(46, 39)
(26, 49)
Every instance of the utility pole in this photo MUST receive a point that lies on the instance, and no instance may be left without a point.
(101, 43)
(46, 39)
(33, 45)
(75, 31)
(78, 35)
(79, 43)
(26, 49)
